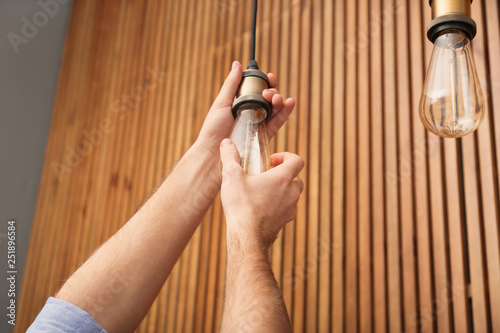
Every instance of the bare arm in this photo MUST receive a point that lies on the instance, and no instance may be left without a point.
(120, 281)
(118, 284)
(256, 209)
(253, 301)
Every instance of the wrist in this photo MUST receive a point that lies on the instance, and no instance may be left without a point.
(192, 186)
(207, 159)
(247, 241)
(208, 148)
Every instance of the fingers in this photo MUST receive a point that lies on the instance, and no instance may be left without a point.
(269, 93)
(229, 156)
(277, 102)
(230, 87)
(272, 95)
(292, 164)
(280, 117)
(273, 81)
(281, 110)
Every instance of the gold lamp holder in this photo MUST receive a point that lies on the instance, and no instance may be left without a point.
(250, 90)
(451, 14)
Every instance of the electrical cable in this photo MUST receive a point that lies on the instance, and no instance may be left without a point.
(254, 27)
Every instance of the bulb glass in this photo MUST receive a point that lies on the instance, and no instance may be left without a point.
(250, 137)
(451, 104)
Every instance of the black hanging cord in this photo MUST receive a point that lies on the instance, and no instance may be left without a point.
(254, 27)
(253, 64)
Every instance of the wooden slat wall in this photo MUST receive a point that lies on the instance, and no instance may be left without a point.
(397, 230)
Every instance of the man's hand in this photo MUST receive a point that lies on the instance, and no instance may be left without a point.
(219, 121)
(257, 207)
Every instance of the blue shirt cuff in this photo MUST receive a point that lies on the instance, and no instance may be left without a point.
(58, 316)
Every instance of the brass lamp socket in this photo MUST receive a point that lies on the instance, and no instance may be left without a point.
(451, 14)
(250, 92)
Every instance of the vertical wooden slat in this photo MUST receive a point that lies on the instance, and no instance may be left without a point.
(351, 185)
(325, 199)
(391, 168)
(405, 161)
(312, 262)
(338, 170)
(364, 188)
(280, 139)
(303, 113)
(477, 274)
(380, 309)
(284, 86)
(456, 289)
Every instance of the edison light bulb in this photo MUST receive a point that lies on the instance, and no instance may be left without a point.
(451, 105)
(250, 137)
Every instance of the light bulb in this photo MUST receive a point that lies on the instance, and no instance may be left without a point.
(250, 137)
(451, 104)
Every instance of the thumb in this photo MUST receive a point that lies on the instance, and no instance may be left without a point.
(230, 87)
(229, 156)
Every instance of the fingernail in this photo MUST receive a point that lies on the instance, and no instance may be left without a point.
(235, 64)
(225, 142)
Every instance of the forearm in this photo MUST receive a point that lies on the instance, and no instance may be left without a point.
(253, 300)
(118, 284)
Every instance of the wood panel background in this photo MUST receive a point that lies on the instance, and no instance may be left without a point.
(397, 230)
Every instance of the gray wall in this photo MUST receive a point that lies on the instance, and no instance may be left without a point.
(28, 79)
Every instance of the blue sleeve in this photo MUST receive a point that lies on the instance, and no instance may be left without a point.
(58, 316)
